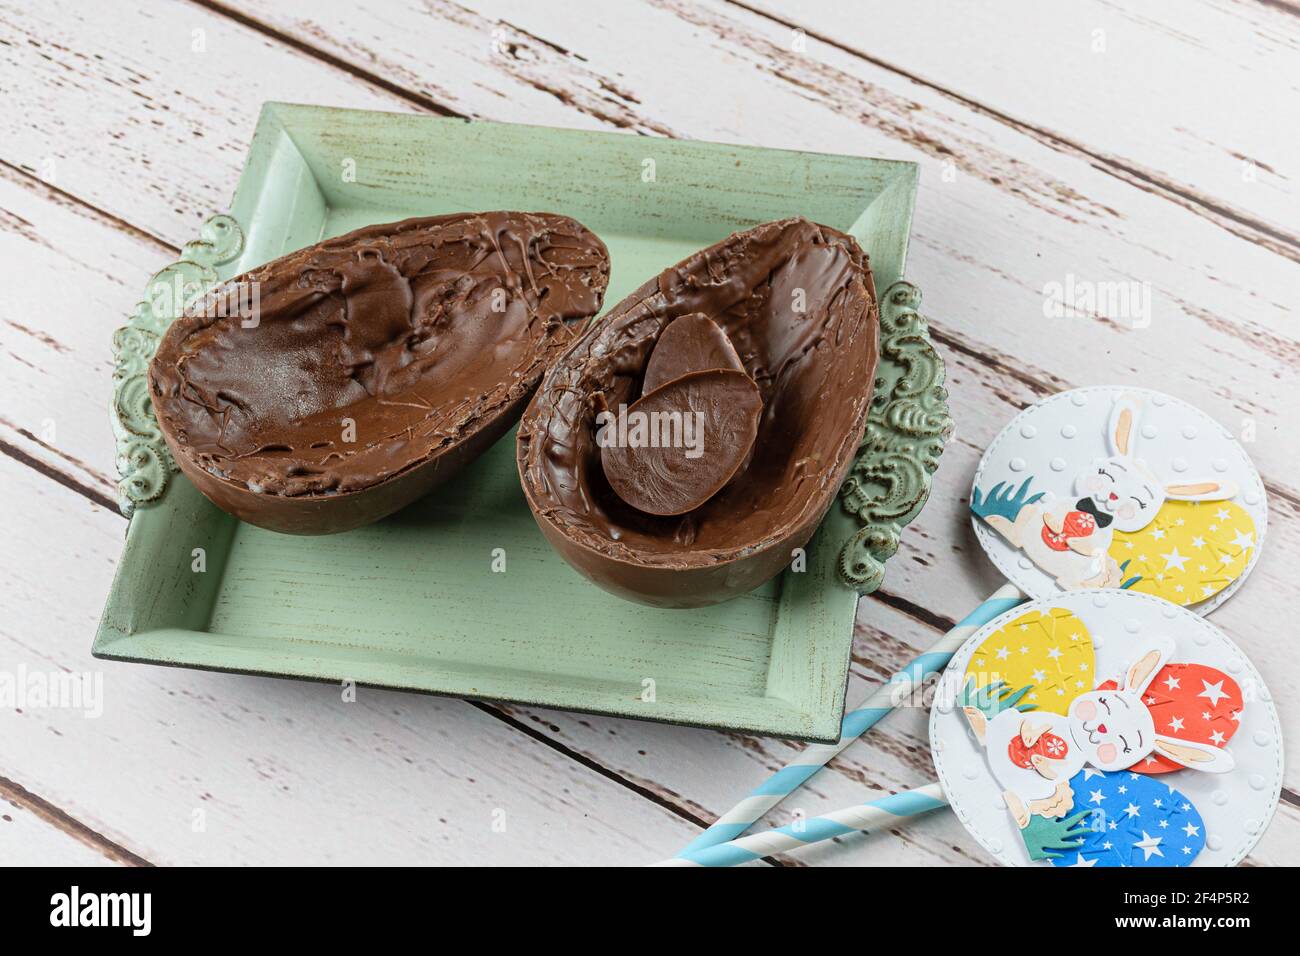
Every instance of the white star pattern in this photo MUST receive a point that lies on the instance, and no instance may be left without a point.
(1082, 862)
(1191, 830)
(1243, 540)
(1171, 682)
(1149, 845)
(1174, 560)
(1214, 692)
(1217, 738)
(1176, 724)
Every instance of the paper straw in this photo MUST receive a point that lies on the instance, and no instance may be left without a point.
(874, 815)
(858, 721)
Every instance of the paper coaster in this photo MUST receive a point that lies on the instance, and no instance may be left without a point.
(1123, 488)
(1118, 730)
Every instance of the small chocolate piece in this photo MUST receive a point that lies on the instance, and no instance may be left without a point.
(797, 301)
(690, 343)
(676, 447)
(370, 367)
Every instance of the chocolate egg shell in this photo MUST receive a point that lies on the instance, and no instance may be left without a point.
(337, 384)
(797, 301)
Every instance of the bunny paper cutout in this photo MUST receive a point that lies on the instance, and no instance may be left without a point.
(1042, 739)
(1071, 536)
(1194, 702)
(1106, 728)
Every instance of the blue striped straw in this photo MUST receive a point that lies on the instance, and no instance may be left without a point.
(858, 721)
(875, 814)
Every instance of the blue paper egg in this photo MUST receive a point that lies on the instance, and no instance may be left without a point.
(1133, 820)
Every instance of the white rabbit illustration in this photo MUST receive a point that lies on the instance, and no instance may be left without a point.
(1034, 755)
(1071, 540)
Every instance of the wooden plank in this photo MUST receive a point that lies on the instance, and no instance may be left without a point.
(705, 773)
(971, 275)
(1184, 96)
(188, 767)
(175, 90)
(57, 369)
(34, 834)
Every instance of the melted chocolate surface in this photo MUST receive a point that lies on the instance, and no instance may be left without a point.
(374, 353)
(797, 301)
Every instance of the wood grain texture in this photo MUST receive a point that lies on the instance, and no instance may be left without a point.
(1084, 77)
(31, 834)
(1016, 192)
(193, 767)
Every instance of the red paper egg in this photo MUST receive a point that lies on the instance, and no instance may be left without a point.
(1190, 702)
(1077, 524)
(1049, 745)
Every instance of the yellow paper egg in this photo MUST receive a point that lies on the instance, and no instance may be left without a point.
(1050, 650)
(1190, 552)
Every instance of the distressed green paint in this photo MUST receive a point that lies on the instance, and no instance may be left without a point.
(413, 602)
(906, 430)
(144, 464)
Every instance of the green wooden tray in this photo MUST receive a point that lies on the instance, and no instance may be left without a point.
(413, 602)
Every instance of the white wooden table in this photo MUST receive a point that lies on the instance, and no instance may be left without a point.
(1154, 142)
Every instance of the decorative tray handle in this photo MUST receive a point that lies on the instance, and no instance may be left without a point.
(144, 465)
(907, 426)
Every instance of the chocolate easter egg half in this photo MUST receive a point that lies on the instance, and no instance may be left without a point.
(328, 388)
(797, 303)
